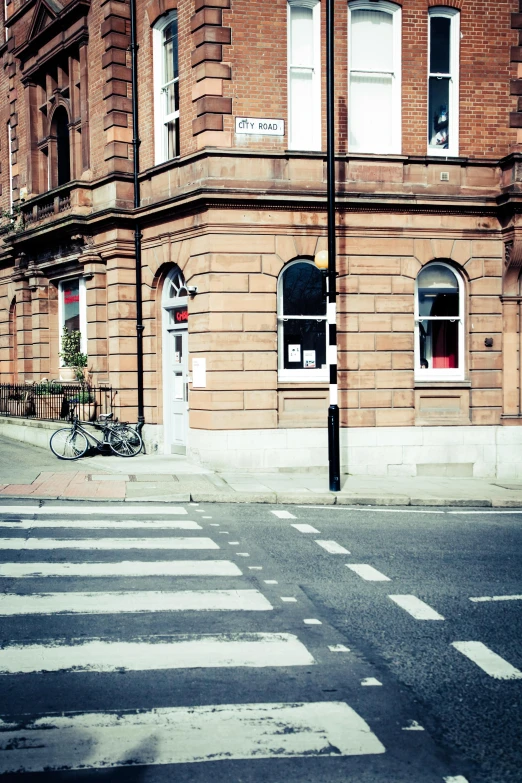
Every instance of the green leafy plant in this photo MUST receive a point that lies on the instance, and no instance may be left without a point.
(14, 219)
(71, 353)
(47, 387)
(82, 397)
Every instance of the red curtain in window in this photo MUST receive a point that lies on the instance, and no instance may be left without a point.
(445, 334)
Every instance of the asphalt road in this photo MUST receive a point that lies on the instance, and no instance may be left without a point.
(126, 659)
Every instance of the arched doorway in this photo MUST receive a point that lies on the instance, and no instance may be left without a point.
(174, 306)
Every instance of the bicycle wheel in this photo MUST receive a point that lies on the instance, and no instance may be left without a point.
(124, 441)
(68, 443)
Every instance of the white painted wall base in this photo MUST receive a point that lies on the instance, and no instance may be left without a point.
(480, 452)
(37, 433)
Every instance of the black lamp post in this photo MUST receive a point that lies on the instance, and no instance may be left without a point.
(328, 263)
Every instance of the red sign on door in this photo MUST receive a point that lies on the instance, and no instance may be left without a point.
(180, 315)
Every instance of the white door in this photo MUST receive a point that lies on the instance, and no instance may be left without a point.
(176, 391)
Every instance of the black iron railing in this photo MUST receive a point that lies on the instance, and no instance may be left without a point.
(55, 400)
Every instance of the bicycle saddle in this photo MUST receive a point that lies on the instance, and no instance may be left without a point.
(106, 415)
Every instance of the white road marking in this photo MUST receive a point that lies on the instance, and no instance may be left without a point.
(417, 608)
(284, 514)
(200, 511)
(181, 735)
(305, 528)
(497, 598)
(255, 568)
(413, 726)
(312, 621)
(133, 601)
(488, 660)
(338, 648)
(491, 511)
(223, 532)
(374, 509)
(289, 599)
(126, 568)
(332, 547)
(369, 681)
(183, 652)
(150, 511)
(242, 554)
(367, 572)
(101, 524)
(456, 779)
(107, 543)
(206, 517)
(233, 543)
(271, 582)
(213, 524)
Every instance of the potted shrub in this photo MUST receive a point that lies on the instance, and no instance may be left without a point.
(74, 361)
(85, 404)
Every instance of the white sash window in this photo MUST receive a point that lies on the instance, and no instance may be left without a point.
(374, 85)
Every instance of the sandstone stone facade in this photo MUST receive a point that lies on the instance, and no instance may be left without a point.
(231, 211)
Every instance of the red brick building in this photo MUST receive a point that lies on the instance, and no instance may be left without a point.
(232, 209)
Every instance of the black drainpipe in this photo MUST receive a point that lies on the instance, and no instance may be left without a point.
(137, 199)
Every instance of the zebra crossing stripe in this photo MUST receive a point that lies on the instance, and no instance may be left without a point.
(489, 661)
(80, 509)
(332, 547)
(23, 545)
(101, 524)
(182, 735)
(180, 652)
(133, 601)
(127, 568)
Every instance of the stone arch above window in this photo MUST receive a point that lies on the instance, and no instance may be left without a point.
(155, 9)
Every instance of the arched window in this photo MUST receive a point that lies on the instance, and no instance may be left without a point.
(374, 83)
(301, 317)
(63, 153)
(439, 323)
(174, 291)
(166, 87)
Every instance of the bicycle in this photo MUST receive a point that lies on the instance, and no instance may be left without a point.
(73, 442)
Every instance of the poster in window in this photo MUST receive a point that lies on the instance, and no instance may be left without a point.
(309, 359)
(294, 353)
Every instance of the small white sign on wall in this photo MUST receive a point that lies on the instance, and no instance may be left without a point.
(199, 373)
(260, 127)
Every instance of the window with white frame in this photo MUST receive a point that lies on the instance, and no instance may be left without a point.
(439, 323)
(304, 75)
(166, 87)
(374, 82)
(301, 320)
(72, 309)
(443, 81)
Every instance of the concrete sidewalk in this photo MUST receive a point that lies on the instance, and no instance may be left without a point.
(30, 472)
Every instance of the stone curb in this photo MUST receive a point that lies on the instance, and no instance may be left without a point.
(290, 498)
(380, 500)
(206, 496)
